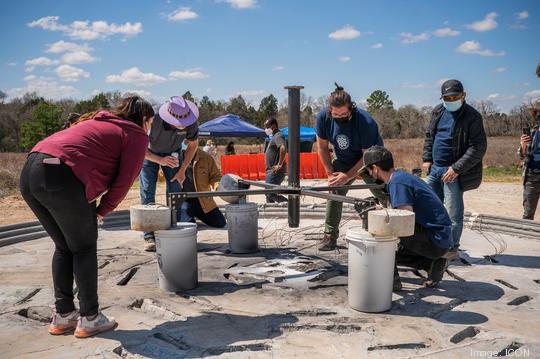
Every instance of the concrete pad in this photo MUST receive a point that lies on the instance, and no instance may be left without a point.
(286, 300)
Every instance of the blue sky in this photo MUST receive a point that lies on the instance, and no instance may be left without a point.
(221, 48)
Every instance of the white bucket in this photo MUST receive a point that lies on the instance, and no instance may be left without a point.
(242, 226)
(150, 217)
(371, 270)
(176, 250)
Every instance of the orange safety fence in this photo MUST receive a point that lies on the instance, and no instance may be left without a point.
(252, 166)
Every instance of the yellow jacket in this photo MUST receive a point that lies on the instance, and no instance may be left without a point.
(206, 177)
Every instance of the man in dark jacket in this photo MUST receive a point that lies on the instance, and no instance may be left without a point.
(454, 146)
(529, 153)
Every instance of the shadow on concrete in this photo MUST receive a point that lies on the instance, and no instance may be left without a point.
(507, 260)
(214, 288)
(427, 302)
(207, 334)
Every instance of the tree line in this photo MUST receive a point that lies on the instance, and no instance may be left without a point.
(26, 120)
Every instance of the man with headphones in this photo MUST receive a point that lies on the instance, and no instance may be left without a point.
(350, 131)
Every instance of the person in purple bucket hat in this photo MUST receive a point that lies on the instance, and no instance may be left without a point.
(174, 122)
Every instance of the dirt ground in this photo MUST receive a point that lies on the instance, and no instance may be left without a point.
(504, 199)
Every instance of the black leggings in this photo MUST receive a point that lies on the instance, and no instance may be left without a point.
(58, 200)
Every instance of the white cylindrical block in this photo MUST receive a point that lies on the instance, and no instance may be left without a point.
(391, 223)
(150, 217)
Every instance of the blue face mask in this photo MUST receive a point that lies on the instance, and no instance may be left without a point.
(452, 106)
(184, 146)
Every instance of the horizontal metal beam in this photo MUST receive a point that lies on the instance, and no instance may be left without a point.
(259, 184)
(240, 192)
(349, 187)
(330, 196)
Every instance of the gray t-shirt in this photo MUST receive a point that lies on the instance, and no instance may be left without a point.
(164, 138)
(272, 151)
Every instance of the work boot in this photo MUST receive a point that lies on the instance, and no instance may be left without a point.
(150, 244)
(329, 242)
(436, 272)
(452, 255)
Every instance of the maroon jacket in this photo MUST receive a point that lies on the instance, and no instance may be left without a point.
(106, 154)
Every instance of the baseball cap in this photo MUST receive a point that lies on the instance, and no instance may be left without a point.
(374, 155)
(451, 88)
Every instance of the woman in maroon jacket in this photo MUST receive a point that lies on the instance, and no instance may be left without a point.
(63, 176)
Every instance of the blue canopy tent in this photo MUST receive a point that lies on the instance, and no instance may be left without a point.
(230, 126)
(307, 134)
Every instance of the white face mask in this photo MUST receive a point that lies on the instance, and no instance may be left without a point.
(269, 131)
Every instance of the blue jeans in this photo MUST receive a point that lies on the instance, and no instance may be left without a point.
(452, 197)
(148, 180)
(275, 178)
(192, 209)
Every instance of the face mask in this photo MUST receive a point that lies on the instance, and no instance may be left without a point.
(269, 131)
(452, 106)
(184, 146)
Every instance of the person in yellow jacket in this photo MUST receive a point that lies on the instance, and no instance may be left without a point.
(202, 175)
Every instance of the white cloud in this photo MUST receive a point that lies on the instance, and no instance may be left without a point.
(474, 48)
(409, 38)
(70, 73)
(488, 23)
(141, 93)
(63, 46)
(522, 15)
(85, 30)
(445, 32)
(41, 61)
(377, 46)
(493, 96)
(344, 59)
(532, 95)
(29, 78)
(242, 4)
(346, 33)
(500, 69)
(11, 63)
(43, 86)
(188, 75)
(135, 76)
(278, 68)
(251, 93)
(182, 14)
(79, 57)
(423, 85)
(412, 85)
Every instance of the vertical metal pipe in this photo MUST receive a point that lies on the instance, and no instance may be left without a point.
(293, 164)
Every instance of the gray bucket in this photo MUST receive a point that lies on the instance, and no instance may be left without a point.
(176, 250)
(242, 225)
(371, 270)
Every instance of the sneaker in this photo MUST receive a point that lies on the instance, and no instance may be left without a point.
(86, 328)
(63, 323)
(150, 244)
(329, 242)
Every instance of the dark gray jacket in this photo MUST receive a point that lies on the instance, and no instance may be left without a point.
(469, 145)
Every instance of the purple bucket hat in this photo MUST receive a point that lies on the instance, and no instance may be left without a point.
(179, 112)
